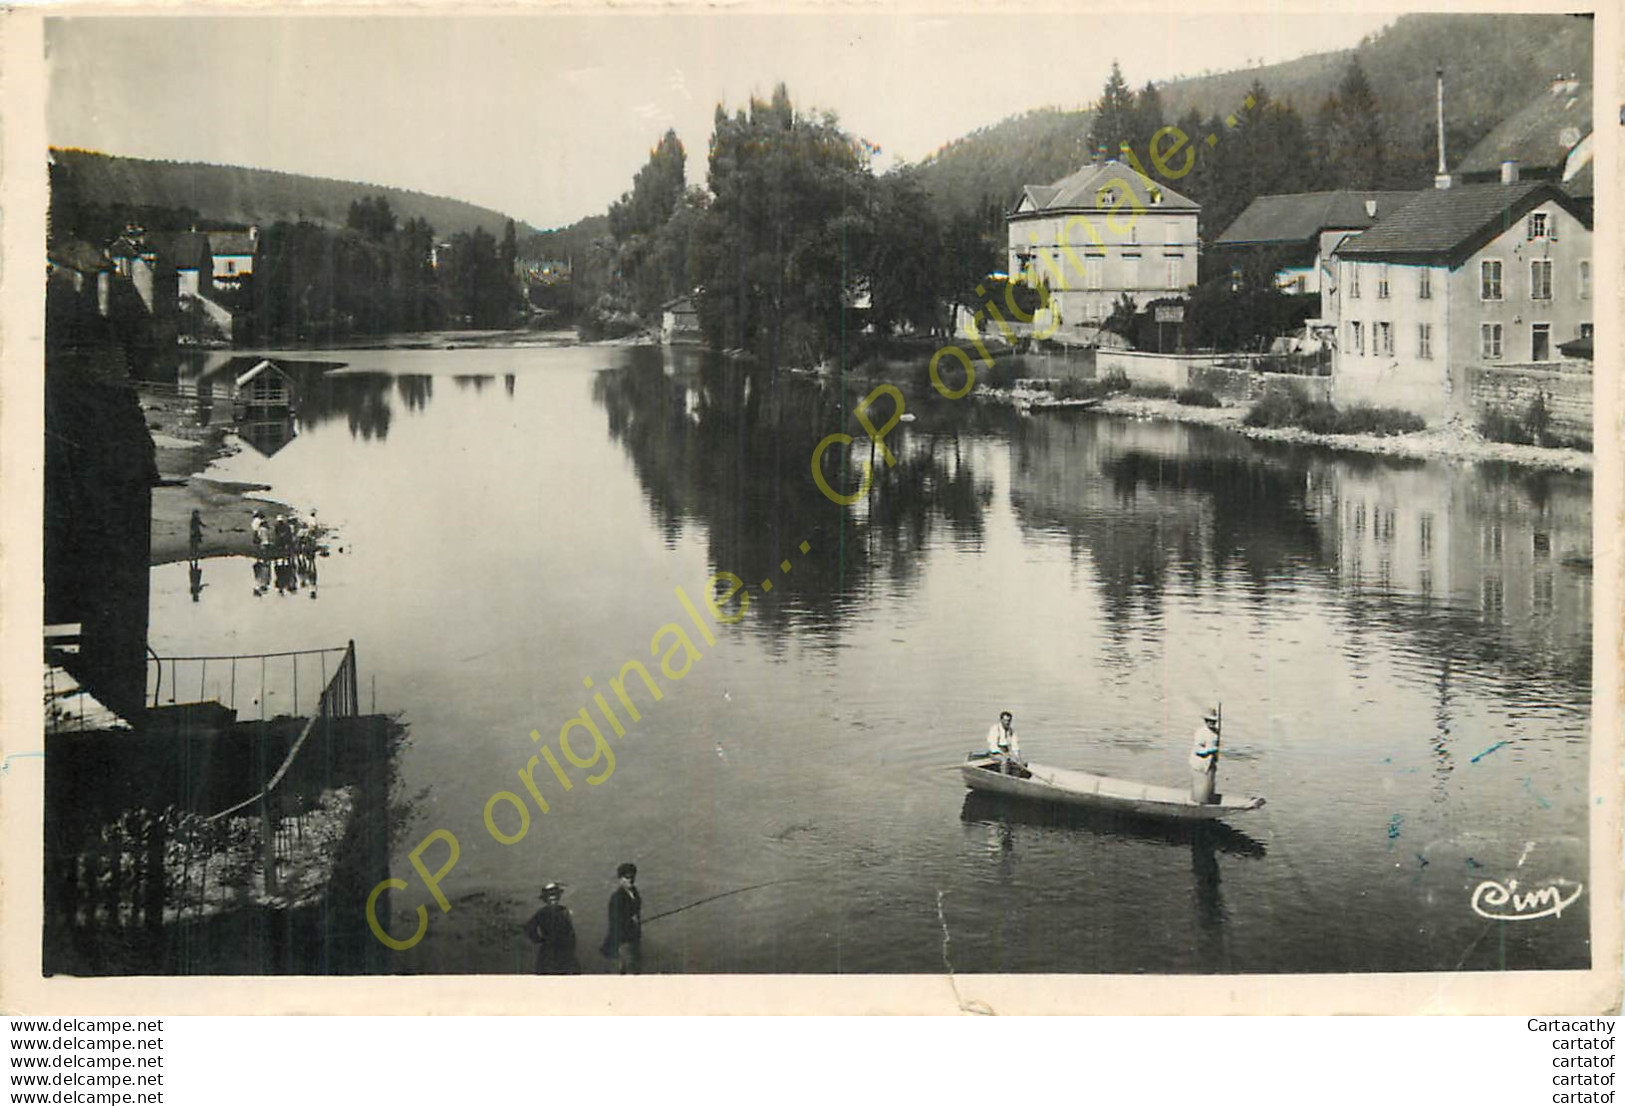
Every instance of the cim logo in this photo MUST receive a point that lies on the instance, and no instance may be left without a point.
(1504, 902)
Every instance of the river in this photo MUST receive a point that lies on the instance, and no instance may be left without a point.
(1402, 650)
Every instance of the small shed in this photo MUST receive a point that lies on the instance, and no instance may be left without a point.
(679, 320)
(262, 390)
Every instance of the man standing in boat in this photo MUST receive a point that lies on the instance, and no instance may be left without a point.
(1205, 758)
(1002, 739)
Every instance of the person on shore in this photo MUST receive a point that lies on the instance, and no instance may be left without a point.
(1002, 741)
(283, 530)
(554, 932)
(196, 532)
(624, 941)
(256, 528)
(1204, 759)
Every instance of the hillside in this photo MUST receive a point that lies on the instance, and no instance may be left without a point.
(221, 194)
(1493, 64)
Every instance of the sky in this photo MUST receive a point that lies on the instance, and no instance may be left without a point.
(547, 117)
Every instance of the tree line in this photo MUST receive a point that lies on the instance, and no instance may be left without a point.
(793, 246)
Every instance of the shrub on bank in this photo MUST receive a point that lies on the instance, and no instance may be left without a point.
(1291, 407)
(1196, 397)
(1115, 381)
(1532, 427)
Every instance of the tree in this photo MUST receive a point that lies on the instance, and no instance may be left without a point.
(651, 261)
(788, 200)
(904, 266)
(1349, 133)
(1115, 122)
(1147, 120)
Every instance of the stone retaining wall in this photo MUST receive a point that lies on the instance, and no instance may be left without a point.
(1565, 385)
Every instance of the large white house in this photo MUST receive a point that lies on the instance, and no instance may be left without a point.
(1478, 274)
(1101, 233)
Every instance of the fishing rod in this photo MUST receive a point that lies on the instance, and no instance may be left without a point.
(713, 898)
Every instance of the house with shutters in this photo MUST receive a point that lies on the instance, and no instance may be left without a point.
(1458, 277)
(1099, 234)
(233, 253)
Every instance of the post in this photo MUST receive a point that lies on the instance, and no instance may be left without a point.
(268, 844)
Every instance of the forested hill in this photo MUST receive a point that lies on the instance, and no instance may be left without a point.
(1493, 64)
(223, 194)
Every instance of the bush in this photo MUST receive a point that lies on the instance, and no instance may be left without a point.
(1533, 427)
(1152, 391)
(1498, 426)
(1115, 381)
(1290, 406)
(1196, 397)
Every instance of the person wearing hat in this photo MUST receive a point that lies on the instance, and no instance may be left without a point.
(1204, 758)
(624, 941)
(554, 932)
(1002, 740)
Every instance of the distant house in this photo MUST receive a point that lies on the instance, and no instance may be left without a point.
(1299, 231)
(1468, 275)
(679, 321)
(1548, 139)
(187, 254)
(1102, 233)
(81, 277)
(233, 253)
(261, 392)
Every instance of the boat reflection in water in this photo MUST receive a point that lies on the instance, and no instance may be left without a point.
(1206, 841)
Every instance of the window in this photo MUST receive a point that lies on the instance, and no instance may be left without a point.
(1094, 273)
(1489, 340)
(1424, 284)
(1540, 342)
(1424, 341)
(1585, 330)
(1155, 193)
(231, 268)
(1540, 280)
(1133, 238)
(1489, 280)
(1171, 265)
(1354, 282)
(1538, 224)
(1382, 283)
(1382, 339)
(1585, 280)
(1357, 339)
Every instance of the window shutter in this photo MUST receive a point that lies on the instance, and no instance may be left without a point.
(1529, 228)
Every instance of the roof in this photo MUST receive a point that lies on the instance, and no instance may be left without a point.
(230, 243)
(187, 249)
(260, 368)
(1583, 185)
(1298, 216)
(79, 255)
(1082, 191)
(1579, 347)
(1450, 224)
(1534, 135)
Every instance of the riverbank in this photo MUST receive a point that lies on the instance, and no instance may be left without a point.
(1451, 442)
(183, 452)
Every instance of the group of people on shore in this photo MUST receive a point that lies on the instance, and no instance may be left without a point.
(552, 928)
(285, 549)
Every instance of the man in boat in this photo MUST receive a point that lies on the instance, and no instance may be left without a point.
(1205, 758)
(1003, 742)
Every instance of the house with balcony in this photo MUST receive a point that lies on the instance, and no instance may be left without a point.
(1456, 279)
(1099, 234)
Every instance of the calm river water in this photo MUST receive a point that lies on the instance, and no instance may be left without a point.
(1402, 651)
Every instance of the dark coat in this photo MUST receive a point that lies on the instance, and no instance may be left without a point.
(553, 930)
(625, 920)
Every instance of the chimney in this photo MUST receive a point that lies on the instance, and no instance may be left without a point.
(1442, 178)
(1371, 209)
(1509, 172)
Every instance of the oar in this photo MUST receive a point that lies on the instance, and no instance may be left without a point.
(714, 898)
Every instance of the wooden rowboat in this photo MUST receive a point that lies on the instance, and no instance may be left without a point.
(1074, 788)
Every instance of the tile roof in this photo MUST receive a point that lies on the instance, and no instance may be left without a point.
(1297, 216)
(79, 255)
(1451, 223)
(185, 249)
(231, 243)
(1082, 191)
(1534, 135)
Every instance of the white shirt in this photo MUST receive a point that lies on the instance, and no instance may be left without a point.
(1002, 740)
(1204, 749)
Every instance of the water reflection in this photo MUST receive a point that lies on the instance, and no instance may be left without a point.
(729, 447)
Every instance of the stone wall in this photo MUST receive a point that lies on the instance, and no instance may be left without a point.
(1566, 386)
(1213, 371)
